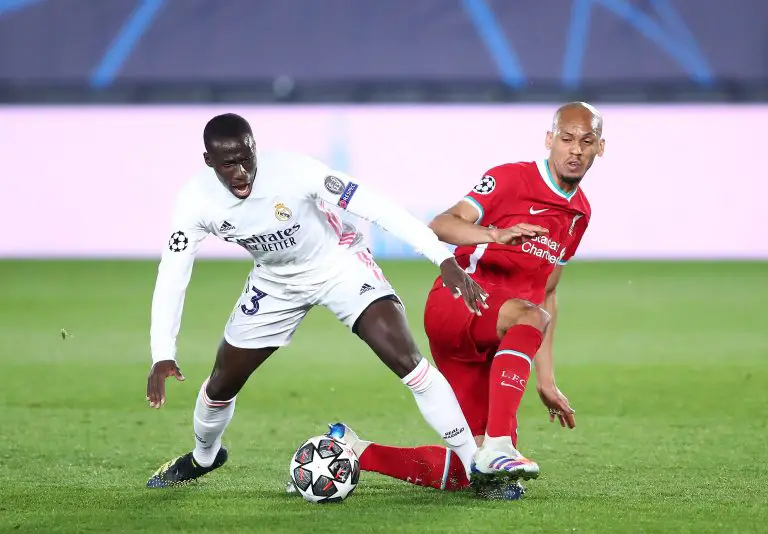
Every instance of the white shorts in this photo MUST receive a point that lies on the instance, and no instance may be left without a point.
(263, 320)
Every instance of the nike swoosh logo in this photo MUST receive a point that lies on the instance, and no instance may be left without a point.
(536, 212)
(510, 386)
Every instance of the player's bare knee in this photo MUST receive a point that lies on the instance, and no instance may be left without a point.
(516, 311)
(535, 317)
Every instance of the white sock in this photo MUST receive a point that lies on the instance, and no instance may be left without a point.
(210, 419)
(439, 407)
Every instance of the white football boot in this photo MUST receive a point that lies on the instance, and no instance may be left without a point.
(498, 465)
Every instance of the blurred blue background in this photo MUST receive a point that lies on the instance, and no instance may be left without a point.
(370, 50)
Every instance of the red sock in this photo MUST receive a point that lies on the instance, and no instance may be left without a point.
(423, 466)
(510, 370)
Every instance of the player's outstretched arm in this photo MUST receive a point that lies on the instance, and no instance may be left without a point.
(458, 226)
(402, 224)
(365, 202)
(550, 395)
(173, 275)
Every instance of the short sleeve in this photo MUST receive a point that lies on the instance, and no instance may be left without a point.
(576, 232)
(496, 186)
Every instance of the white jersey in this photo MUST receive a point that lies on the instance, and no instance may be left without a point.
(289, 224)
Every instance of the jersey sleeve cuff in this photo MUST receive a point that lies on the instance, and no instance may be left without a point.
(439, 254)
(162, 355)
(429, 246)
(477, 206)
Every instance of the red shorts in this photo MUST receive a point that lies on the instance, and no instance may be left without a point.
(463, 346)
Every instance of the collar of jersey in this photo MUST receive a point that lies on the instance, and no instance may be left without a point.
(546, 175)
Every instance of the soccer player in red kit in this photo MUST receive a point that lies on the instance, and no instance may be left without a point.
(514, 232)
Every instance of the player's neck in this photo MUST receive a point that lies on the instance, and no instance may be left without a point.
(566, 187)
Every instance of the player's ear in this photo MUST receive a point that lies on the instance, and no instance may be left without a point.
(601, 148)
(207, 159)
(548, 141)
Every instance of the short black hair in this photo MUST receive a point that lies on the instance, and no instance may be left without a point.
(226, 126)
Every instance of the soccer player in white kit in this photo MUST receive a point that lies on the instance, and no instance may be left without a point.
(283, 209)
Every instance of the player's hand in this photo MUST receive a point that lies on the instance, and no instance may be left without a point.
(517, 234)
(461, 285)
(558, 406)
(156, 381)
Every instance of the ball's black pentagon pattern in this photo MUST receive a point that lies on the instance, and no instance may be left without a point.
(324, 487)
(327, 448)
(178, 241)
(305, 454)
(302, 478)
(341, 469)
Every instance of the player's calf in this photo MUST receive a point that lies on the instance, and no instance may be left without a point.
(210, 419)
(431, 466)
(497, 463)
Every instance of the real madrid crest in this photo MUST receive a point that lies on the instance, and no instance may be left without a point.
(282, 212)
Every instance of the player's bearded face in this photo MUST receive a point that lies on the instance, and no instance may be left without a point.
(234, 161)
(573, 148)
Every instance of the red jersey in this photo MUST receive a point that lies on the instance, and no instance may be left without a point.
(524, 193)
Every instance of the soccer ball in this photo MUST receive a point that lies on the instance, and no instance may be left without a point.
(325, 470)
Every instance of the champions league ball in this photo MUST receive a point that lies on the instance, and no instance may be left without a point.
(324, 470)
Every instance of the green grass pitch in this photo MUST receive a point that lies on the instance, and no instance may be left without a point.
(666, 365)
